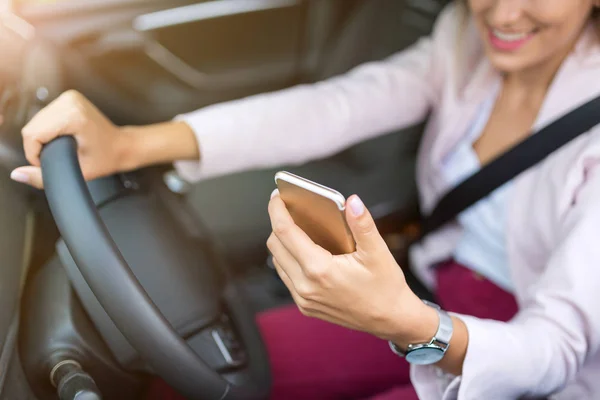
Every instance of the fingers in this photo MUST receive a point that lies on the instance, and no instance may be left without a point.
(305, 306)
(300, 301)
(65, 115)
(361, 223)
(285, 278)
(295, 240)
(29, 175)
(280, 254)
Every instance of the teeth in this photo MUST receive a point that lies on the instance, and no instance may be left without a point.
(509, 37)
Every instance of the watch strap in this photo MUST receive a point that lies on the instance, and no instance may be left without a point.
(441, 339)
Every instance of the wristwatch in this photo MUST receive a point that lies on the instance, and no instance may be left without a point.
(434, 350)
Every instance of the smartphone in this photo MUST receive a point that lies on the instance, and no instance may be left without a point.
(318, 211)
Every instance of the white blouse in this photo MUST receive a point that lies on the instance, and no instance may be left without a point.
(482, 246)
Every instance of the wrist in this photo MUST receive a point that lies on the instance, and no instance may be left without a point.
(141, 146)
(418, 324)
(127, 148)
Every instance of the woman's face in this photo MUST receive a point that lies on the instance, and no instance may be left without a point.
(522, 34)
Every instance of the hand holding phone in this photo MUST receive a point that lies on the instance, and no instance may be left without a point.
(318, 210)
(342, 289)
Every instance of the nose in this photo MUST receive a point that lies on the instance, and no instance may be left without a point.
(505, 13)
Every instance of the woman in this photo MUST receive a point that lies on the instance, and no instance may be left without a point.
(492, 71)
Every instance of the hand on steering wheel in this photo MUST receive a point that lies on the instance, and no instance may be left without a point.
(102, 146)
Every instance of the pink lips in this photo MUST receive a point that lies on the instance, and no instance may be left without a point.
(504, 45)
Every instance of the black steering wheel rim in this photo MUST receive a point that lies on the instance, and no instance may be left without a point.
(125, 300)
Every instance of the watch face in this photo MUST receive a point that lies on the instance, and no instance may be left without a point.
(425, 356)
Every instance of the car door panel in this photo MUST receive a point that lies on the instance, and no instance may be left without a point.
(232, 40)
(159, 58)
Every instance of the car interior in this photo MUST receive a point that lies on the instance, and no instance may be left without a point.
(108, 285)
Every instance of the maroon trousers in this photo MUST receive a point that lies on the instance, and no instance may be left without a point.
(313, 359)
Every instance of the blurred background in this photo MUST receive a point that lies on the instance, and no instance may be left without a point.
(143, 61)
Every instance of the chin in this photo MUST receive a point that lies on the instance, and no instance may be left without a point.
(507, 67)
(508, 63)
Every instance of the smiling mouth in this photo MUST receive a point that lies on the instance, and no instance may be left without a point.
(509, 41)
(511, 37)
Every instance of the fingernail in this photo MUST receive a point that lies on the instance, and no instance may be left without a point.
(19, 176)
(275, 193)
(357, 206)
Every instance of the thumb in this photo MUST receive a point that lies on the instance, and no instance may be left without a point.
(361, 223)
(29, 175)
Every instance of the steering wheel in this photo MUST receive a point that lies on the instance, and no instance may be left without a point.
(125, 300)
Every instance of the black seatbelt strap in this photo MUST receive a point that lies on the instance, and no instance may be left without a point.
(512, 163)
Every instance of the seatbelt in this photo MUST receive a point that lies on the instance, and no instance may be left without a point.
(510, 164)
